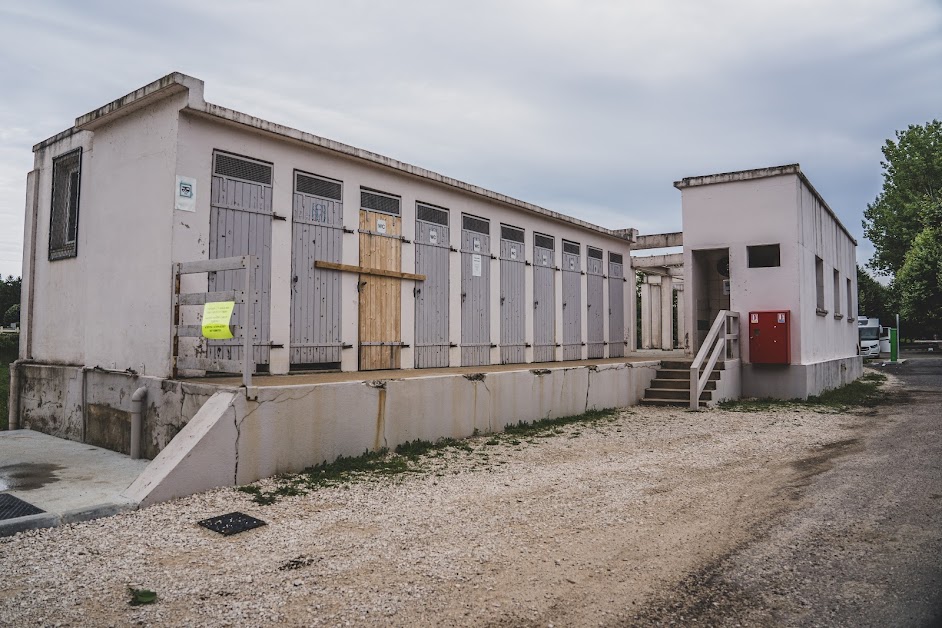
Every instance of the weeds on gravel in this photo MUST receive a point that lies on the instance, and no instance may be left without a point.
(407, 457)
(550, 427)
(865, 392)
(140, 597)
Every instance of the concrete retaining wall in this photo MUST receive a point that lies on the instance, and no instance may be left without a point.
(289, 428)
(798, 381)
(50, 399)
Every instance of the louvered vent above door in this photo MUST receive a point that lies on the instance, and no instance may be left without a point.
(242, 168)
(319, 186)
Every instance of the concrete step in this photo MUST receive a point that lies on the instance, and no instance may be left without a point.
(667, 393)
(679, 384)
(681, 374)
(685, 364)
(669, 402)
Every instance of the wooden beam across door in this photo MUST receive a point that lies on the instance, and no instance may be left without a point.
(367, 271)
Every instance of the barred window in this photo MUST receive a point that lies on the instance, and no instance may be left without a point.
(64, 215)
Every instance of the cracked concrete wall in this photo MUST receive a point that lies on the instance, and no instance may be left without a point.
(51, 401)
(234, 441)
(293, 427)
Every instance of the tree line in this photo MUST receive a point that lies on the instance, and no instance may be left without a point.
(10, 300)
(904, 223)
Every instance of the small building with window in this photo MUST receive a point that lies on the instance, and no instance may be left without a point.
(764, 244)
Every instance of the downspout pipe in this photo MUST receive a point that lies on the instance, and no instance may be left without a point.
(137, 403)
(14, 409)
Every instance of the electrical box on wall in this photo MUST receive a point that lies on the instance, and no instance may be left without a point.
(769, 337)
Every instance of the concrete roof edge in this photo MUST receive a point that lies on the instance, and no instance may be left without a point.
(762, 173)
(168, 85)
(229, 115)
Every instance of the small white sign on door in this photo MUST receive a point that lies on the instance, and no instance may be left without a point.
(432, 236)
(475, 265)
(380, 225)
(513, 253)
(544, 259)
(476, 244)
(572, 264)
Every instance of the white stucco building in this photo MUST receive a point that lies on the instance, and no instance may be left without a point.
(765, 241)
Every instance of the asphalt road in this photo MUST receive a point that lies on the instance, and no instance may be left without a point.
(863, 545)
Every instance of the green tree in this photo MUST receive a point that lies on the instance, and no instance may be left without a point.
(12, 315)
(873, 298)
(9, 294)
(919, 281)
(912, 173)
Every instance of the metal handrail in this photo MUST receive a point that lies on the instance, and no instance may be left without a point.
(714, 345)
(243, 297)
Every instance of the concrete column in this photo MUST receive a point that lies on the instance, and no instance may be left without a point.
(558, 290)
(349, 297)
(281, 285)
(495, 296)
(645, 314)
(583, 302)
(454, 291)
(667, 318)
(528, 291)
(631, 308)
(682, 340)
(407, 286)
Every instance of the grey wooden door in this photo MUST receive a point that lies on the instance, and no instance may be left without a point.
(572, 301)
(595, 322)
(475, 291)
(512, 296)
(240, 224)
(544, 298)
(432, 248)
(317, 235)
(616, 306)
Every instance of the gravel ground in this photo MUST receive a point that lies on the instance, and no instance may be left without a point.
(594, 524)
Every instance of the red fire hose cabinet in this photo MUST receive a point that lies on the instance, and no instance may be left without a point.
(769, 337)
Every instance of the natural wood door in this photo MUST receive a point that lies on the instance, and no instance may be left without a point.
(380, 297)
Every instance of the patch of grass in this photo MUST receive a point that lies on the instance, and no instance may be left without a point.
(550, 427)
(141, 596)
(413, 450)
(864, 392)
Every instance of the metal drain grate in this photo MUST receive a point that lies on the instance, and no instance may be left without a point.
(12, 507)
(231, 523)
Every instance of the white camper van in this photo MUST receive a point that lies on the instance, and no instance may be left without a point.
(869, 333)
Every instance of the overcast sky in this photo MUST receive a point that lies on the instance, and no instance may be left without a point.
(592, 108)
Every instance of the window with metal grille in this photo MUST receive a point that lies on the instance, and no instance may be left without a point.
(431, 214)
(615, 258)
(837, 291)
(819, 284)
(544, 241)
(594, 253)
(511, 233)
(318, 186)
(64, 214)
(570, 247)
(242, 168)
(379, 202)
(478, 225)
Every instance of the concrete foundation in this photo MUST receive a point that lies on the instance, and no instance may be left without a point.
(798, 381)
(93, 406)
(288, 428)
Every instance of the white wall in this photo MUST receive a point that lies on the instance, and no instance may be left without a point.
(108, 306)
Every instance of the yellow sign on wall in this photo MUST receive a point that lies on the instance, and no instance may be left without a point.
(216, 320)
